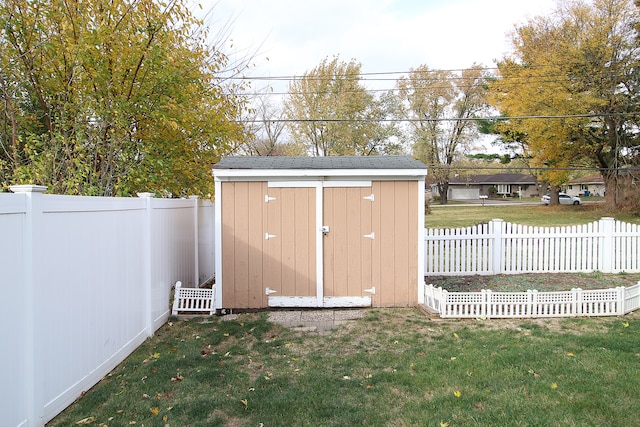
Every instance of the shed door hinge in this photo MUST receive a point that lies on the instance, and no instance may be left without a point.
(370, 198)
(268, 198)
(370, 236)
(268, 236)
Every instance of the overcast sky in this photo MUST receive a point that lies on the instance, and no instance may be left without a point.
(288, 38)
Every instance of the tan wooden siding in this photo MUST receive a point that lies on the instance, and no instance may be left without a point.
(347, 253)
(291, 255)
(395, 251)
(243, 221)
(287, 262)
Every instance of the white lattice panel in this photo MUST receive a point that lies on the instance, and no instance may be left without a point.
(193, 300)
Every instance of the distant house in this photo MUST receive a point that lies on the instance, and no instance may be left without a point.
(495, 185)
(590, 185)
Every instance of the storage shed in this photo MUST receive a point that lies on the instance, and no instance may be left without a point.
(319, 231)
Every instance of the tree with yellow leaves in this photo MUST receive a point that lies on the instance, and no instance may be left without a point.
(111, 98)
(569, 89)
(331, 113)
(441, 107)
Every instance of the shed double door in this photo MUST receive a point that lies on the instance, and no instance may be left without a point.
(319, 247)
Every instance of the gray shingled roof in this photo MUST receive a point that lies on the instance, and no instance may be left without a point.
(331, 162)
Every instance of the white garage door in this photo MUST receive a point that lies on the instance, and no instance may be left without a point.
(464, 193)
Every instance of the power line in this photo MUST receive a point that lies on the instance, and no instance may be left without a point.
(545, 168)
(442, 119)
(415, 85)
(386, 73)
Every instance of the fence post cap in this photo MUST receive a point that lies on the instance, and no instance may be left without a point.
(28, 188)
(145, 195)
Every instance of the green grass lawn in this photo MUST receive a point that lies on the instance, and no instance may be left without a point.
(532, 214)
(394, 367)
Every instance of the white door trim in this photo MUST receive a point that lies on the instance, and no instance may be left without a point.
(319, 245)
(327, 302)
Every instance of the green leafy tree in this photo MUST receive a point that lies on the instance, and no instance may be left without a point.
(331, 113)
(575, 72)
(441, 106)
(111, 98)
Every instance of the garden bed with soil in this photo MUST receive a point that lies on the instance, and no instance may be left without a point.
(540, 282)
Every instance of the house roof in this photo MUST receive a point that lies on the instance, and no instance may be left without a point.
(329, 162)
(595, 178)
(498, 178)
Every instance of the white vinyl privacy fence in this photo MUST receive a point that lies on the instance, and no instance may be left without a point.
(84, 281)
(499, 247)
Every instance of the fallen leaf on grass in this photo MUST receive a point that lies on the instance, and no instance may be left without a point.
(154, 411)
(457, 393)
(455, 335)
(444, 424)
(177, 378)
(570, 355)
(245, 402)
(479, 406)
(625, 324)
(85, 421)
(554, 386)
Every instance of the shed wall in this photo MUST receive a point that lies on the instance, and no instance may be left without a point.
(395, 253)
(243, 223)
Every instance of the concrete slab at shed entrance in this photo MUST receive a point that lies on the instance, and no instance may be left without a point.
(319, 231)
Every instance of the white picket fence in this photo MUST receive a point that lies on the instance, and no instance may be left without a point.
(499, 247)
(85, 280)
(576, 302)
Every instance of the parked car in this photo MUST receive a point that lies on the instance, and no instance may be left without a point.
(564, 198)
